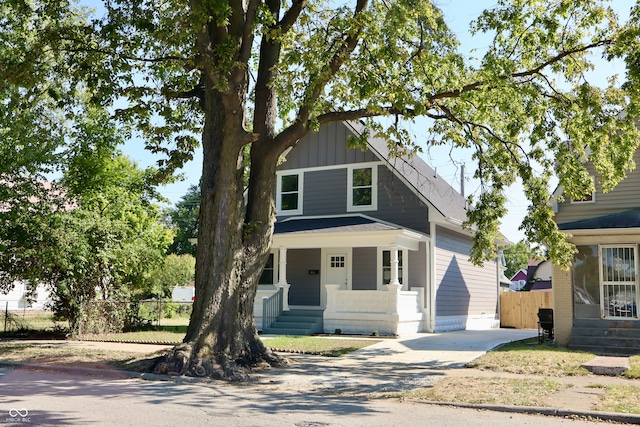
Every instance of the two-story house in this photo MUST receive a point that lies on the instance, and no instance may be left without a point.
(367, 242)
(595, 302)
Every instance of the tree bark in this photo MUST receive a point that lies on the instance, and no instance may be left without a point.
(233, 244)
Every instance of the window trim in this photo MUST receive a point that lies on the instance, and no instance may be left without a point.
(374, 187)
(403, 278)
(279, 176)
(276, 272)
(582, 202)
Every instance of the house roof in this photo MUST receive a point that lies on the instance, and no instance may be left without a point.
(341, 224)
(424, 179)
(626, 219)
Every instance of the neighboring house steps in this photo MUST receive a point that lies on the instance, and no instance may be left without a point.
(297, 322)
(606, 337)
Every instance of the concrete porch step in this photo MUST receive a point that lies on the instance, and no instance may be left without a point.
(605, 350)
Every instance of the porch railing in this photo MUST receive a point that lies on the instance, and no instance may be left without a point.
(272, 308)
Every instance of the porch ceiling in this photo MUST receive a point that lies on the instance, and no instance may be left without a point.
(343, 231)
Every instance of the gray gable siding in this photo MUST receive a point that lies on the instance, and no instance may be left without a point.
(325, 192)
(462, 288)
(625, 196)
(364, 265)
(305, 287)
(327, 147)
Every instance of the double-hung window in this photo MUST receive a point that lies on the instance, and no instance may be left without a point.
(267, 277)
(362, 188)
(289, 194)
(385, 265)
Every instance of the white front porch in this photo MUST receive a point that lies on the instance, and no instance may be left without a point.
(359, 279)
(389, 311)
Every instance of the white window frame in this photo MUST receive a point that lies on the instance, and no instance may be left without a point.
(405, 268)
(279, 177)
(374, 187)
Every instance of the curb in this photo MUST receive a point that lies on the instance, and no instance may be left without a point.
(534, 410)
(102, 373)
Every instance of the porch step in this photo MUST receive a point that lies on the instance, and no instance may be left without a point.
(605, 336)
(297, 322)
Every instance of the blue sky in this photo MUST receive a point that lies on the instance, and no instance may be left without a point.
(459, 13)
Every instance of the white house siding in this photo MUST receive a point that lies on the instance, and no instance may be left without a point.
(14, 299)
(466, 296)
(622, 198)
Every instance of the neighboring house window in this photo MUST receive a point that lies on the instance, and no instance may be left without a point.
(362, 188)
(386, 266)
(289, 194)
(589, 198)
(268, 276)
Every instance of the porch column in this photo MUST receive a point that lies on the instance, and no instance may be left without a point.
(395, 261)
(282, 277)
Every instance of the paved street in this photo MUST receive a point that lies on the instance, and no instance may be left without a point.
(67, 400)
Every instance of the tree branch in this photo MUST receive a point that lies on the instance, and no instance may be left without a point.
(537, 70)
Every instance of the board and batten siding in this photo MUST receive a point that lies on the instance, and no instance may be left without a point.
(305, 287)
(364, 269)
(461, 287)
(327, 147)
(625, 196)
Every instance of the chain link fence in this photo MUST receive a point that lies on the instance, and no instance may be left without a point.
(102, 316)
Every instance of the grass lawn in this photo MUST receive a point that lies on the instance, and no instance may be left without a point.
(51, 354)
(529, 357)
(493, 391)
(316, 345)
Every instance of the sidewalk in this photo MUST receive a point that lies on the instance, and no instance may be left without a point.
(392, 366)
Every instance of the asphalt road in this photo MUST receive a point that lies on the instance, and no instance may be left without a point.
(41, 398)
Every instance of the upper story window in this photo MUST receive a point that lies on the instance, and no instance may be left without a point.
(362, 188)
(589, 198)
(289, 194)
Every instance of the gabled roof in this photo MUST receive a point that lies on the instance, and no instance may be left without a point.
(626, 219)
(421, 178)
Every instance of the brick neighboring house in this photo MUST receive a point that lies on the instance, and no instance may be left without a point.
(595, 302)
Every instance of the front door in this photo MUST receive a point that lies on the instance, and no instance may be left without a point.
(619, 281)
(336, 269)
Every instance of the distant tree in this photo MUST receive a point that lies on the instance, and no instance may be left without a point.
(94, 235)
(517, 257)
(183, 219)
(176, 270)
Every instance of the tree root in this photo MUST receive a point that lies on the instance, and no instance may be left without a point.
(182, 361)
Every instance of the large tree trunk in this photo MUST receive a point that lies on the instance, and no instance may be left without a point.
(233, 244)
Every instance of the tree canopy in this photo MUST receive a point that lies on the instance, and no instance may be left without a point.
(258, 75)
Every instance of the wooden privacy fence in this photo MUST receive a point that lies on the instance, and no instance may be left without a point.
(520, 309)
